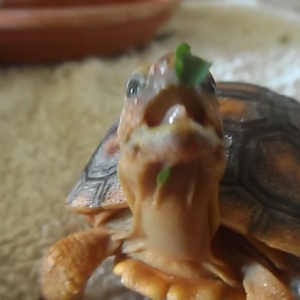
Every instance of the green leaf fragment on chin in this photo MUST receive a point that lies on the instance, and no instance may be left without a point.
(190, 69)
(163, 176)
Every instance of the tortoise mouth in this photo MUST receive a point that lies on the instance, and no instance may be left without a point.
(178, 126)
(173, 105)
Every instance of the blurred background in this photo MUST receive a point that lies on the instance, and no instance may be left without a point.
(63, 67)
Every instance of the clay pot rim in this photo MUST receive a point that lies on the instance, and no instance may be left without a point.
(83, 16)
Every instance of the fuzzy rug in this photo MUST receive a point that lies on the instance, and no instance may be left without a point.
(53, 117)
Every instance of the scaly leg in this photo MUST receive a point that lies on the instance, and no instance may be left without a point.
(69, 264)
(261, 284)
(157, 285)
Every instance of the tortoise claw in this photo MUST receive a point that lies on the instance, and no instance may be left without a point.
(69, 264)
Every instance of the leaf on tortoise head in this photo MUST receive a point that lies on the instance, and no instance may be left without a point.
(190, 69)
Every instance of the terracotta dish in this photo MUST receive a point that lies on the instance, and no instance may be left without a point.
(51, 31)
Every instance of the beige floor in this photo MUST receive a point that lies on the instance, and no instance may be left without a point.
(52, 118)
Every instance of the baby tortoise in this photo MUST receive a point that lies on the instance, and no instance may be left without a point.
(188, 209)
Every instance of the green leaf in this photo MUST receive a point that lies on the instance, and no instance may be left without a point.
(163, 176)
(190, 69)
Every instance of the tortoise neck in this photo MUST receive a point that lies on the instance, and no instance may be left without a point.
(179, 218)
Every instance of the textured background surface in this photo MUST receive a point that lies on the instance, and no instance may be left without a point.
(52, 118)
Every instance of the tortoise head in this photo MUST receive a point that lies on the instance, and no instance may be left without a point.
(181, 120)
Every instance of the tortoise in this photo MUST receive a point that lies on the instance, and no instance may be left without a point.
(194, 190)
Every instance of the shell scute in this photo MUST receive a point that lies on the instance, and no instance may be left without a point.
(277, 154)
(86, 193)
(238, 111)
(98, 185)
(263, 161)
(102, 164)
(238, 209)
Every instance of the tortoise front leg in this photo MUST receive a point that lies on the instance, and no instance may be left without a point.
(157, 285)
(69, 264)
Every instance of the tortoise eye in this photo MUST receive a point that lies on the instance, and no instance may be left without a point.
(135, 85)
(210, 84)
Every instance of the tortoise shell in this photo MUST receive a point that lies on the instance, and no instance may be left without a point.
(260, 190)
